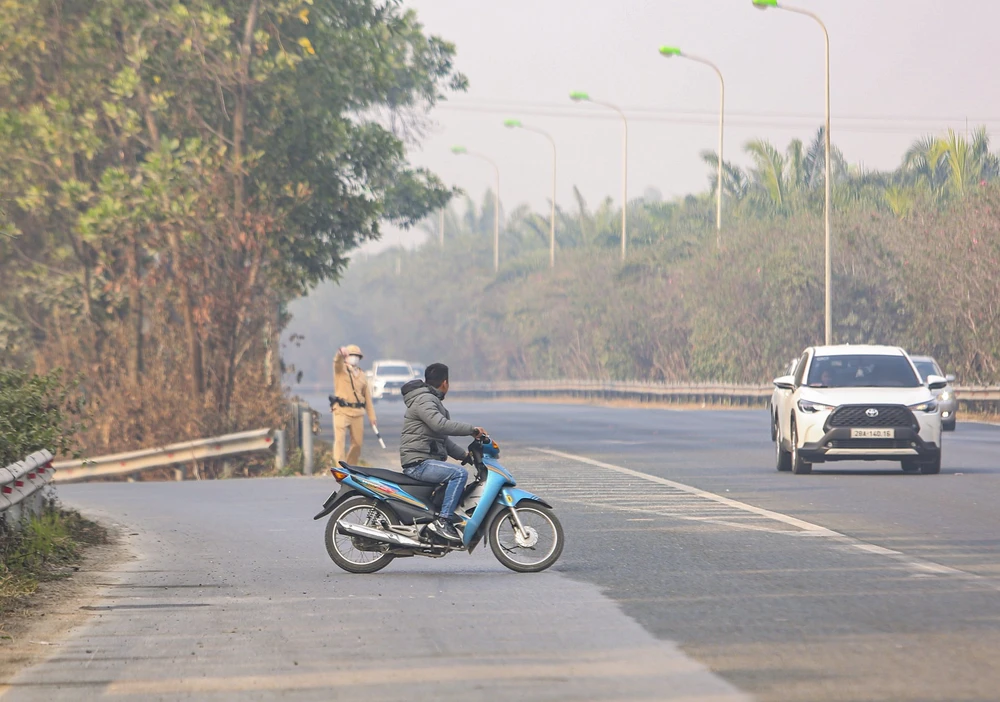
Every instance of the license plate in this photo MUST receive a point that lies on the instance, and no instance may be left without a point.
(873, 433)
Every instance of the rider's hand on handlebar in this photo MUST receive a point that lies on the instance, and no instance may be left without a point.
(479, 431)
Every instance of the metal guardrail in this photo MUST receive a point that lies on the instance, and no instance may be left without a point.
(184, 452)
(978, 399)
(687, 393)
(21, 484)
(972, 398)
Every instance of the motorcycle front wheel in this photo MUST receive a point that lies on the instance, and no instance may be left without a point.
(530, 552)
(356, 554)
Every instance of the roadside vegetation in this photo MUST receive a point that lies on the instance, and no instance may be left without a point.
(39, 412)
(49, 547)
(915, 260)
(174, 173)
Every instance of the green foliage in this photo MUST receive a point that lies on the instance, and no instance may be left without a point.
(41, 550)
(174, 173)
(910, 268)
(38, 412)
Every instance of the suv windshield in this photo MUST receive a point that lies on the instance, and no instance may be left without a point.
(393, 370)
(862, 371)
(926, 368)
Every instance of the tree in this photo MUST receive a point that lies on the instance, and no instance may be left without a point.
(174, 173)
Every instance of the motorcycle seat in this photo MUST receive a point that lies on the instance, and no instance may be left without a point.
(391, 476)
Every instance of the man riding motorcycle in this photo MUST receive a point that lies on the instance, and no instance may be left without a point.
(425, 444)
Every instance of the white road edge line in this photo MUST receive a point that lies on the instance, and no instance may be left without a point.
(808, 528)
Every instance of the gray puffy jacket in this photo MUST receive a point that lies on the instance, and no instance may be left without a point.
(427, 426)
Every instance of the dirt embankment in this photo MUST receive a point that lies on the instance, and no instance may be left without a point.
(32, 625)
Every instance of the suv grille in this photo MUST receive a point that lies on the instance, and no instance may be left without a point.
(857, 416)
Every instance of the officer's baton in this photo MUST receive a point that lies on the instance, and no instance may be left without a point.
(380, 442)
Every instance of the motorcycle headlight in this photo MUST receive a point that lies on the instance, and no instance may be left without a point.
(810, 407)
(944, 396)
(930, 406)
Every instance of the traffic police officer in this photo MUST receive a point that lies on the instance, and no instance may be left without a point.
(352, 399)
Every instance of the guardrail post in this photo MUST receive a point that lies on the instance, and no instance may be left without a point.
(34, 504)
(307, 441)
(281, 457)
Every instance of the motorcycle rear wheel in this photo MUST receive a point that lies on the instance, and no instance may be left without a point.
(357, 554)
(546, 528)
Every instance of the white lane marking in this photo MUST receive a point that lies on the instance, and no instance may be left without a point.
(807, 528)
(872, 548)
(791, 521)
(937, 568)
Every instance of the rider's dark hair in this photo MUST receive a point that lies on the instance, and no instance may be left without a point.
(435, 374)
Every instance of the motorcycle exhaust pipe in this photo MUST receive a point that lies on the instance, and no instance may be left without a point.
(378, 535)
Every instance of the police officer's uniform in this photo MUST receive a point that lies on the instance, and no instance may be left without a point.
(352, 399)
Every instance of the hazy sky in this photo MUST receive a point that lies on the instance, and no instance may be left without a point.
(899, 69)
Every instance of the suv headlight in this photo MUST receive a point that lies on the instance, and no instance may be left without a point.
(930, 406)
(810, 407)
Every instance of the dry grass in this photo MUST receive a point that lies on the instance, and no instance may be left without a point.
(48, 548)
(983, 417)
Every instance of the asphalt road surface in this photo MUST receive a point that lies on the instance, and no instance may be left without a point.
(692, 571)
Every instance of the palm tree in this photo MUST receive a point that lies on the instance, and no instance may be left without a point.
(526, 230)
(735, 183)
(968, 162)
(590, 229)
(951, 165)
(924, 164)
(981, 149)
(814, 162)
(769, 185)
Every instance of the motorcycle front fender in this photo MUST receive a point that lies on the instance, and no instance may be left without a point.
(511, 497)
(335, 499)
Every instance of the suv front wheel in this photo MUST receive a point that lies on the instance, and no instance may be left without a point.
(799, 466)
(783, 459)
(931, 467)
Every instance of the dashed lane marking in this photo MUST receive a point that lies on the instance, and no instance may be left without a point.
(680, 501)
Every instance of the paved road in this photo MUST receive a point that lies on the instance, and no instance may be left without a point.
(692, 571)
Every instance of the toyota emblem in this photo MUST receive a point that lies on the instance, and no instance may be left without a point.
(871, 412)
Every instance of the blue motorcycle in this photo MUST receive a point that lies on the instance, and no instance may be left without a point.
(378, 515)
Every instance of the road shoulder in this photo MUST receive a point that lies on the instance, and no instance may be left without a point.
(30, 635)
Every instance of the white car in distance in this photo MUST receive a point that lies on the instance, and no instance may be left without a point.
(777, 395)
(857, 403)
(388, 377)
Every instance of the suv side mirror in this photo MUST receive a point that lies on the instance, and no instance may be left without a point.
(936, 382)
(950, 377)
(785, 382)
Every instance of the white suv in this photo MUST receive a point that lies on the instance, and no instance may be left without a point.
(388, 377)
(857, 403)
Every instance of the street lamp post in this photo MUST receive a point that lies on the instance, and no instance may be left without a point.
(462, 151)
(669, 51)
(584, 97)
(763, 5)
(516, 124)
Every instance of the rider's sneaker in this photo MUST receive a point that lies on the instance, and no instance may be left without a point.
(445, 529)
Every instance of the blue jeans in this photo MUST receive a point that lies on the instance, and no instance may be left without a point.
(431, 471)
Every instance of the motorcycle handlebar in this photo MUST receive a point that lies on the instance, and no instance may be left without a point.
(476, 452)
